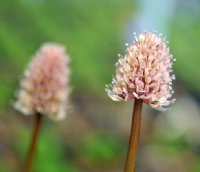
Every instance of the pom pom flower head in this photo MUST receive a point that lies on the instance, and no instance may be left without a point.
(144, 72)
(45, 89)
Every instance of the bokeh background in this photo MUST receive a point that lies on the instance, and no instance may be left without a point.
(94, 136)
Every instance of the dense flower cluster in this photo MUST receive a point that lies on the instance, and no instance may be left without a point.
(144, 72)
(45, 86)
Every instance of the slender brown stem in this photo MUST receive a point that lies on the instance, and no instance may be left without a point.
(134, 137)
(34, 141)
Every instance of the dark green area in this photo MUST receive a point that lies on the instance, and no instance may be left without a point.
(101, 149)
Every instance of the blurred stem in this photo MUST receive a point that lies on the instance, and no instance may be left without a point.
(134, 137)
(34, 141)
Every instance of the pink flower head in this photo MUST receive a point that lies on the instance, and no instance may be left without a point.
(144, 72)
(45, 86)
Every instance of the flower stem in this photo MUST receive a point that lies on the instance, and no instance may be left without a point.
(34, 141)
(134, 137)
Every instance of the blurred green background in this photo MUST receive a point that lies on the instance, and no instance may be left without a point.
(94, 136)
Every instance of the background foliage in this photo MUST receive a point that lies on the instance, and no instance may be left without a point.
(95, 134)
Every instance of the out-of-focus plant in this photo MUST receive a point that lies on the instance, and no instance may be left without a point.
(44, 90)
